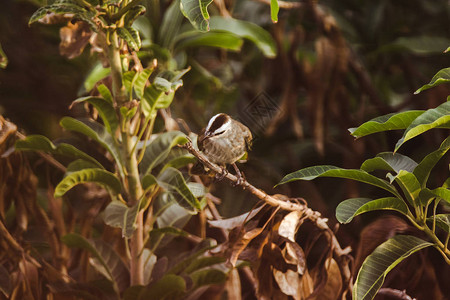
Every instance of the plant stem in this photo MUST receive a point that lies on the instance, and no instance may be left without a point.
(132, 183)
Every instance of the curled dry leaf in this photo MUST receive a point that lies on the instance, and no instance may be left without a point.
(74, 38)
(289, 225)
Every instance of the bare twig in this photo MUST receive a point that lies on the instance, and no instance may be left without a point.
(285, 203)
(395, 294)
(284, 4)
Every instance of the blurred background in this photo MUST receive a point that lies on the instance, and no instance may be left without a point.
(338, 64)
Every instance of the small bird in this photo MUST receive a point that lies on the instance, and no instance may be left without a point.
(225, 141)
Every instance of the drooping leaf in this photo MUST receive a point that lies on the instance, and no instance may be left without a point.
(97, 73)
(223, 40)
(389, 161)
(311, 173)
(118, 214)
(382, 260)
(99, 176)
(173, 181)
(105, 92)
(203, 262)
(80, 164)
(157, 234)
(438, 117)
(186, 260)
(274, 9)
(131, 36)
(41, 143)
(170, 286)
(105, 109)
(442, 220)
(422, 45)
(3, 59)
(98, 133)
(170, 213)
(140, 81)
(257, 35)
(65, 7)
(387, 122)
(148, 180)
(158, 150)
(208, 277)
(443, 76)
(133, 14)
(158, 95)
(116, 269)
(423, 170)
(409, 185)
(441, 193)
(350, 208)
(196, 11)
(234, 222)
(170, 25)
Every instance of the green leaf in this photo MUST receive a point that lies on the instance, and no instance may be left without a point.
(180, 266)
(208, 277)
(443, 76)
(382, 260)
(158, 150)
(41, 143)
(65, 7)
(3, 58)
(332, 171)
(155, 98)
(106, 111)
(389, 161)
(133, 14)
(170, 286)
(442, 221)
(197, 13)
(173, 181)
(203, 262)
(257, 35)
(140, 81)
(170, 25)
(97, 73)
(422, 45)
(350, 208)
(148, 180)
(423, 169)
(157, 234)
(106, 93)
(274, 9)
(223, 40)
(131, 36)
(127, 80)
(118, 214)
(80, 164)
(410, 186)
(112, 265)
(98, 133)
(387, 122)
(438, 117)
(441, 193)
(170, 213)
(98, 176)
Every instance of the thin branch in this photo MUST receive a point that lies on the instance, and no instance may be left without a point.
(284, 4)
(285, 203)
(395, 293)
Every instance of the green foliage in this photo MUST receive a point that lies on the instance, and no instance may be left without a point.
(443, 76)
(99, 176)
(118, 214)
(382, 260)
(3, 58)
(197, 13)
(407, 183)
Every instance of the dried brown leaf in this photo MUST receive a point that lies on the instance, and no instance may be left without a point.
(234, 222)
(74, 38)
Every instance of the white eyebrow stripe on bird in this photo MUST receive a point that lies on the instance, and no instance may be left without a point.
(223, 127)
